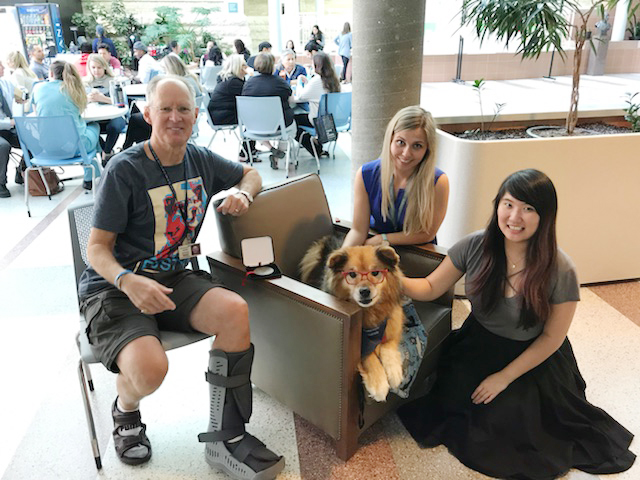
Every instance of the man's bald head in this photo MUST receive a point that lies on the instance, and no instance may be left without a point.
(158, 80)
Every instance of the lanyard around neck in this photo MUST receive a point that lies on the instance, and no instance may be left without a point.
(393, 213)
(182, 210)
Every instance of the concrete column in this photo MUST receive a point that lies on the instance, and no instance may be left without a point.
(620, 21)
(387, 69)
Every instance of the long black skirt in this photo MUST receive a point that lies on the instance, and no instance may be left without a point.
(539, 427)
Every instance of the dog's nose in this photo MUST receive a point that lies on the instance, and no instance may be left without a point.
(365, 292)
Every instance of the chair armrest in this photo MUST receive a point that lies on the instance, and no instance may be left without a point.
(307, 344)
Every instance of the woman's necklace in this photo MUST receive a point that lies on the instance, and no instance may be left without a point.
(512, 264)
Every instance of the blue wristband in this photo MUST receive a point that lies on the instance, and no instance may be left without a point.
(116, 282)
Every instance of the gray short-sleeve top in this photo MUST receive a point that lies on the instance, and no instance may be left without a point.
(466, 256)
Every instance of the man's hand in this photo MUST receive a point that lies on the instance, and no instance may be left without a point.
(235, 204)
(147, 294)
(489, 388)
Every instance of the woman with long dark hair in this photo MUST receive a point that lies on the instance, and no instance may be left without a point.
(509, 400)
(316, 39)
(324, 81)
(241, 49)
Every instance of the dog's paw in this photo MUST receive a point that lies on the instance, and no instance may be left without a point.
(378, 392)
(392, 363)
(377, 386)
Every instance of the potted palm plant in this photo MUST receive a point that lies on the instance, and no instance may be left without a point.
(590, 173)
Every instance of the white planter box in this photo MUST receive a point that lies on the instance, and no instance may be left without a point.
(598, 183)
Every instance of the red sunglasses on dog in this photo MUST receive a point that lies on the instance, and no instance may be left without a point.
(374, 276)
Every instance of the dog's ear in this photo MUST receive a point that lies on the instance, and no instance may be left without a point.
(388, 256)
(337, 260)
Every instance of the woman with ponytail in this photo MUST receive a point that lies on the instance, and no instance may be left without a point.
(509, 400)
(65, 94)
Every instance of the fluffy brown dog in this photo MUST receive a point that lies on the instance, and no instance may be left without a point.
(370, 277)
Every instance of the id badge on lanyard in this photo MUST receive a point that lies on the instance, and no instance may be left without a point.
(187, 250)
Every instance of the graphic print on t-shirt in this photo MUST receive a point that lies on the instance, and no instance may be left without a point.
(169, 224)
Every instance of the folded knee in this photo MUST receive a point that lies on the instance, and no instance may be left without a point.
(148, 377)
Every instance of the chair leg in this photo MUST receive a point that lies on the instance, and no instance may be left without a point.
(315, 153)
(26, 189)
(87, 410)
(45, 183)
(215, 132)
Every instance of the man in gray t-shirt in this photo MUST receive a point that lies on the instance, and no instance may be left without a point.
(149, 209)
(37, 64)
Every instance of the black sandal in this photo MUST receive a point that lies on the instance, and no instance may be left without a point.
(124, 443)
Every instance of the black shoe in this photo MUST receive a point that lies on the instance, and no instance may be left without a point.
(19, 176)
(274, 162)
(323, 153)
(277, 153)
(4, 192)
(87, 184)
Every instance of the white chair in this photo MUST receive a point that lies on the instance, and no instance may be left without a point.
(209, 77)
(262, 118)
(216, 128)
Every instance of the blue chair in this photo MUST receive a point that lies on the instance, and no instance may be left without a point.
(51, 142)
(262, 118)
(339, 105)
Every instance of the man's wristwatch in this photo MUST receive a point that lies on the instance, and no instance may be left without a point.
(247, 195)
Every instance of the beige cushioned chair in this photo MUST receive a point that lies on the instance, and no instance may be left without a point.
(307, 341)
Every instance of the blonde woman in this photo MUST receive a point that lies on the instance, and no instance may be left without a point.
(99, 76)
(22, 75)
(402, 195)
(173, 65)
(64, 94)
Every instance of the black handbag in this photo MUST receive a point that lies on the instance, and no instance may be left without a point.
(325, 128)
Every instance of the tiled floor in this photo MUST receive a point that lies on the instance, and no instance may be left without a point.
(44, 434)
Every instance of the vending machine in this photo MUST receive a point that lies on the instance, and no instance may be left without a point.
(40, 25)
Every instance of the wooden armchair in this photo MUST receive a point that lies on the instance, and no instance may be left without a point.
(307, 341)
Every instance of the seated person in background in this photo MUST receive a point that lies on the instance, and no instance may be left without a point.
(214, 56)
(37, 63)
(146, 63)
(154, 200)
(66, 95)
(268, 85)
(173, 65)
(8, 135)
(324, 81)
(288, 69)
(290, 46)
(241, 49)
(102, 39)
(174, 48)
(81, 63)
(509, 400)
(98, 77)
(205, 57)
(222, 105)
(114, 63)
(21, 75)
(402, 195)
(264, 47)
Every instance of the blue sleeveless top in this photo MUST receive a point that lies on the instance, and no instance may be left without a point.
(371, 178)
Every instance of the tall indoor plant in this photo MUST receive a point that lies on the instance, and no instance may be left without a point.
(537, 25)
